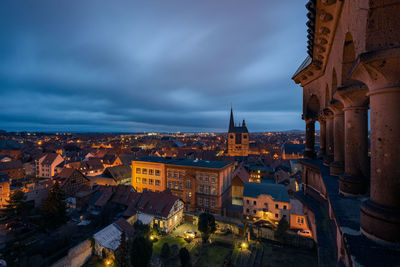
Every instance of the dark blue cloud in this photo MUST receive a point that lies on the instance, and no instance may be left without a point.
(150, 65)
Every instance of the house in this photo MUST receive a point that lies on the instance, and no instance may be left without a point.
(36, 192)
(297, 218)
(160, 209)
(110, 160)
(46, 165)
(266, 201)
(71, 180)
(121, 174)
(13, 168)
(239, 177)
(4, 189)
(92, 167)
(108, 239)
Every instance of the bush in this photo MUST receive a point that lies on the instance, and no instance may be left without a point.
(185, 257)
(165, 251)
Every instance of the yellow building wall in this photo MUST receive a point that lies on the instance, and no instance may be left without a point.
(144, 172)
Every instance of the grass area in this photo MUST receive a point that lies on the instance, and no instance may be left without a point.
(170, 240)
(288, 256)
(213, 256)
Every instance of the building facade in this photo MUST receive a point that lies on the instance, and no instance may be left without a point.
(238, 139)
(353, 66)
(149, 174)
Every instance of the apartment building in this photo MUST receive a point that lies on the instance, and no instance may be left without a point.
(202, 185)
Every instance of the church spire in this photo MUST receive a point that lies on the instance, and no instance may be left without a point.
(231, 122)
(244, 124)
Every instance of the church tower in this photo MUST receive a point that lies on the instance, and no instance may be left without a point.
(238, 139)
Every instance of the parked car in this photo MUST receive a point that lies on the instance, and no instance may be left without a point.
(190, 234)
(306, 233)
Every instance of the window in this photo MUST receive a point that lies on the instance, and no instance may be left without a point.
(188, 185)
(200, 177)
(151, 172)
(212, 203)
(247, 201)
(200, 201)
(231, 136)
(137, 179)
(151, 181)
(169, 184)
(254, 211)
(180, 186)
(284, 207)
(213, 179)
(144, 181)
(157, 172)
(201, 188)
(157, 182)
(247, 210)
(175, 185)
(137, 170)
(181, 175)
(175, 175)
(276, 215)
(144, 171)
(255, 202)
(276, 206)
(169, 174)
(206, 178)
(207, 190)
(189, 195)
(206, 202)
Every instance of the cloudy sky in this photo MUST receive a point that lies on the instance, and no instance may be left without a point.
(132, 66)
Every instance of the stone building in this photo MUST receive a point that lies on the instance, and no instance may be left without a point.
(353, 66)
(238, 139)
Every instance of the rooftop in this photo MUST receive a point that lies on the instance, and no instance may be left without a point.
(209, 164)
(277, 191)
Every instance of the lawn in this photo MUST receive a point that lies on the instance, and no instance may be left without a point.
(288, 256)
(213, 256)
(170, 240)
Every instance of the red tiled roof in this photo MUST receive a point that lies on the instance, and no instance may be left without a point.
(105, 197)
(125, 227)
(124, 194)
(13, 164)
(50, 158)
(156, 203)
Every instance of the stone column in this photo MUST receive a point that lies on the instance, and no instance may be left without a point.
(380, 215)
(354, 181)
(310, 138)
(328, 114)
(337, 166)
(322, 135)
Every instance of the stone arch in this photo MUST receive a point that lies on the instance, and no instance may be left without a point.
(313, 107)
(349, 56)
(334, 83)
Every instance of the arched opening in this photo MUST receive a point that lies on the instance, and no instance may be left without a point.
(349, 55)
(313, 107)
(327, 96)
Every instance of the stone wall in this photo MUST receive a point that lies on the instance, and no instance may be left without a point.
(76, 256)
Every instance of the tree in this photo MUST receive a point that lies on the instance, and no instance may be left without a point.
(280, 233)
(206, 225)
(165, 251)
(16, 206)
(141, 250)
(54, 208)
(121, 254)
(185, 257)
(141, 229)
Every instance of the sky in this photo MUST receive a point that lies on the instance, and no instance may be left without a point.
(150, 66)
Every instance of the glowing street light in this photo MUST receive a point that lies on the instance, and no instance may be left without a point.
(244, 245)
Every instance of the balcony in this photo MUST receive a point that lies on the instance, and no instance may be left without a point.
(336, 222)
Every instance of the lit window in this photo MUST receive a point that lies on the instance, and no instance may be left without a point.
(137, 170)
(144, 181)
(157, 182)
(137, 179)
(151, 172)
(213, 190)
(144, 171)
(157, 172)
(151, 181)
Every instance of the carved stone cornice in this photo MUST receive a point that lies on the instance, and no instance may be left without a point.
(379, 70)
(323, 19)
(352, 95)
